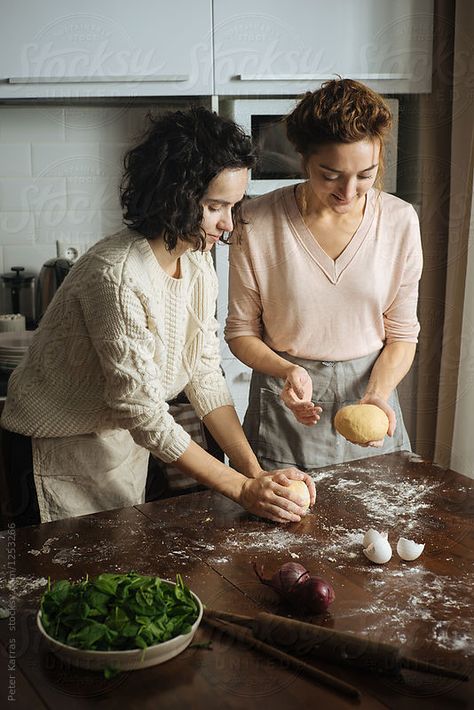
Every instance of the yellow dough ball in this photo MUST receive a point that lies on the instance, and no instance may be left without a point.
(302, 490)
(361, 423)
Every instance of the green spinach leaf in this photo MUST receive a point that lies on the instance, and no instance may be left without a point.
(117, 611)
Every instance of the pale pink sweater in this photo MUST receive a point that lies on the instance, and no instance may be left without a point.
(286, 290)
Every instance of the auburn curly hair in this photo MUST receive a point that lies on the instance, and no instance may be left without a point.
(341, 111)
(167, 175)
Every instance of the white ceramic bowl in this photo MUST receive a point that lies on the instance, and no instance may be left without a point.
(129, 660)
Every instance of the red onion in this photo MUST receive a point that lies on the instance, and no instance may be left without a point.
(285, 578)
(314, 596)
(293, 583)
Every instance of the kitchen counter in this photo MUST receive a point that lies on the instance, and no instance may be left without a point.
(426, 606)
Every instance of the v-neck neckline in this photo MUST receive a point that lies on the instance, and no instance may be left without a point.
(333, 268)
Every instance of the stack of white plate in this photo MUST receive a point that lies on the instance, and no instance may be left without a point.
(12, 348)
(11, 322)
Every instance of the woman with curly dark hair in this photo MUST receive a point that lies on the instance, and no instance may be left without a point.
(324, 284)
(132, 326)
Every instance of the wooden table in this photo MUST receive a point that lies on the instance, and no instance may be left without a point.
(426, 605)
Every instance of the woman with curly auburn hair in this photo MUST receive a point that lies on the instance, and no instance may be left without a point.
(323, 286)
(133, 326)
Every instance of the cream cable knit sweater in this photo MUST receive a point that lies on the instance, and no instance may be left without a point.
(119, 339)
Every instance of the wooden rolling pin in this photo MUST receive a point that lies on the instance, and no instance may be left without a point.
(302, 639)
(235, 632)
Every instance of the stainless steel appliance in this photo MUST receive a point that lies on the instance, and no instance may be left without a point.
(52, 274)
(18, 294)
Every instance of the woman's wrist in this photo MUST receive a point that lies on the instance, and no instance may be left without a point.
(255, 472)
(288, 368)
(373, 394)
(250, 468)
(232, 484)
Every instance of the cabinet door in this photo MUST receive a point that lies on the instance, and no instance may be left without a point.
(62, 48)
(280, 47)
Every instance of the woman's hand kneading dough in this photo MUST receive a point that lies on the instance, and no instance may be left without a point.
(270, 495)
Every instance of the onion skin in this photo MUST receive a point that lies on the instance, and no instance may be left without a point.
(293, 583)
(285, 578)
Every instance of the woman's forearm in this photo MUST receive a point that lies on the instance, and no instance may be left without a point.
(267, 495)
(390, 368)
(224, 425)
(206, 469)
(253, 352)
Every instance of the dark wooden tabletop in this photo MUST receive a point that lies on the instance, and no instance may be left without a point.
(425, 606)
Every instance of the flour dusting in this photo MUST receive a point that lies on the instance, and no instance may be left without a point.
(419, 595)
(386, 502)
(402, 595)
(45, 549)
(21, 585)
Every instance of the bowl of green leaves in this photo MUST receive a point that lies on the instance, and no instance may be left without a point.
(117, 622)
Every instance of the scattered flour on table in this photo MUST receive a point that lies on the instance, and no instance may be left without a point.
(323, 476)
(275, 540)
(21, 585)
(426, 597)
(401, 595)
(102, 552)
(66, 556)
(45, 549)
(386, 502)
(343, 545)
(461, 641)
(218, 560)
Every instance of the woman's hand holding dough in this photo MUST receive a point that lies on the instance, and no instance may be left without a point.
(366, 423)
(269, 495)
(385, 407)
(296, 395)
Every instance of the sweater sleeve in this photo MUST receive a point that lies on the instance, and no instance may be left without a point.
(400, 318)
(245, 306)
(207, 389)
(116, 322)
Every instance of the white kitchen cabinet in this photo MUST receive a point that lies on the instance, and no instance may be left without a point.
(96, 48)
(278, 47)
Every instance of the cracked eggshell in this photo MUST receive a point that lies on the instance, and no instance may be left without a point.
(409, 549)
(379, 551)
(373, 535)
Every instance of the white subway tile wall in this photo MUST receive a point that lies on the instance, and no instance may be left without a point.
(60, 169)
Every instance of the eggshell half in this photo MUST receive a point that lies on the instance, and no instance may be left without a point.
(409, 549)
(373, 535)
(379, 551)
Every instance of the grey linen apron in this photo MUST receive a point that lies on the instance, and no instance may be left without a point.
(279, 441)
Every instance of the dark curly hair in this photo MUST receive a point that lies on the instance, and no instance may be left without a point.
(341, 111)
(168, 173)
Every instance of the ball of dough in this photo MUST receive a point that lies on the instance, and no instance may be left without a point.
(302, 490)
(361, 423)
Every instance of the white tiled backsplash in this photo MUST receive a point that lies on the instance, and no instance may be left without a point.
(60, 169)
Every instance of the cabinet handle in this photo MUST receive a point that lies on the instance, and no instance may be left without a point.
(317, 77)
(94, 79)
